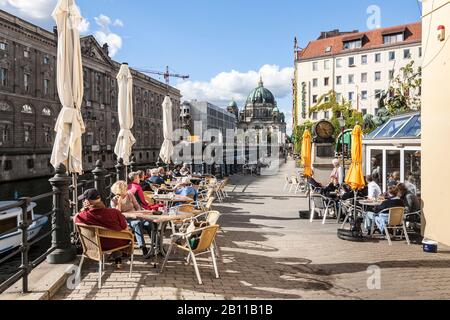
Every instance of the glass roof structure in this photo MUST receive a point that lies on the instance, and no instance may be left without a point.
(405, 126)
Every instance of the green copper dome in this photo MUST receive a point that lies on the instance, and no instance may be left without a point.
(232, 104)
(276, 110)
(261, 95)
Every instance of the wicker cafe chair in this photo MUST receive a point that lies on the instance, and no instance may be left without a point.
(90, 237)
(149, 197)
(205, 245)
(396, 222)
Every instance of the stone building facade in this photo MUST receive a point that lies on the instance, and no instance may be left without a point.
(29, 103)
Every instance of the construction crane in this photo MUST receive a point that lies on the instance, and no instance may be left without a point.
(167, 75)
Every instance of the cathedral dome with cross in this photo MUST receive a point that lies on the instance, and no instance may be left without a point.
(261, 111)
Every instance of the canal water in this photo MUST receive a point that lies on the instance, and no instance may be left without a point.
(29, 188)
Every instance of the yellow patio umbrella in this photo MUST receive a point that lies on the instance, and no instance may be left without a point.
(355, 176)
(306, 154)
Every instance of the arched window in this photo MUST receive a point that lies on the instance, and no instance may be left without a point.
(5, 107)
(27, 109)
(47, 112)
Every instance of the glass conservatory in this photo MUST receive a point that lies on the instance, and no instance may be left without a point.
(395, 147)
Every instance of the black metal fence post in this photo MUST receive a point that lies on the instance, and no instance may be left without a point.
(99, 179)
(120, 170)
(25, 248)
(64, 251)
(133, 164)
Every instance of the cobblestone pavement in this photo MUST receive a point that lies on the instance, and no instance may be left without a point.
(267, 252)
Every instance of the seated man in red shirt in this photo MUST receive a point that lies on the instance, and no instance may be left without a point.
(95, 213)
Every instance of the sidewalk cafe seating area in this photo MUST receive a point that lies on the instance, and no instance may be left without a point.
(182, 224)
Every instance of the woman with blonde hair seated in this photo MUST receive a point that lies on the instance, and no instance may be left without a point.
(125, 201)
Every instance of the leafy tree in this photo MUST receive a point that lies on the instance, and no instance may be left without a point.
(329, 102)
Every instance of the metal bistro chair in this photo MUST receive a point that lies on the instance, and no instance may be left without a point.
(349, 209)
(396, 222)
(416, 224)
(205, 245)
(322, 205)
(90, 237)
(288, 183)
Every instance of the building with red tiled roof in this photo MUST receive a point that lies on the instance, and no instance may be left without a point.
(358, 66)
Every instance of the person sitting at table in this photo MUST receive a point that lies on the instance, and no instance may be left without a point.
(410, 184)
(163, 173)
(394, 177)
(185, 189)
(155, 178)
(142, 181)
(332, 189)
(315, 184)
(374, 190)
(176, 171)
(185, 171)
(124, 201)
(412, 202)
(135, 188)
(381, 218)
(95, 213)
(391, 191)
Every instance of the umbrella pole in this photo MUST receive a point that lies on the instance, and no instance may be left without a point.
(354, 205)
(75, 192)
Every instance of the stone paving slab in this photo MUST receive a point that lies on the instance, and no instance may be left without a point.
(267, 252)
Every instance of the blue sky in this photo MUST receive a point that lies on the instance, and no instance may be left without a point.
(222, 44)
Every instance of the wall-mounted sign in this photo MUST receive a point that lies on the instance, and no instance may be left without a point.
(304, 100)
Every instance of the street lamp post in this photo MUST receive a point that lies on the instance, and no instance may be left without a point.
(342, 124)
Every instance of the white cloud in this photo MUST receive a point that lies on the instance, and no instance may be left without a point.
(103, 21)
(236, 85)
(83, 28)
(118, 23)
(36, 9)
(105, 35)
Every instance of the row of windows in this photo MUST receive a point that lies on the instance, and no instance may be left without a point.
(387, 39)
(364, 59)
(6, 131)
(4, 81)
(326, 114)
(26, 53)
(350, 96)
(351, 78)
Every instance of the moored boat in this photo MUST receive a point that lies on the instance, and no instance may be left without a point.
(10, 219)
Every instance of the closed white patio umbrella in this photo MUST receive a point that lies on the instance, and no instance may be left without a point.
(69, 127)
(125, 140)
(167, 148)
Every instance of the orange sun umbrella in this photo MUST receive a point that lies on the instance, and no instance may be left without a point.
(355, 176)
(306, 154)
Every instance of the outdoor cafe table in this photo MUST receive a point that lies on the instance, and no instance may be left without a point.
(170, 199)
(157, 236)
(370, 203)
